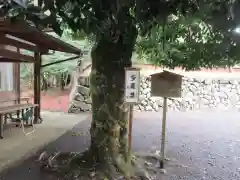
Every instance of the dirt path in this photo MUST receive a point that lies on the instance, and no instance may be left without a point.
(201, 146)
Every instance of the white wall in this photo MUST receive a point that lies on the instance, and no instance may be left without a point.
(6, 75)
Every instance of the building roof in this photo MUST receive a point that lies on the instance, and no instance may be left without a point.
(29, 35)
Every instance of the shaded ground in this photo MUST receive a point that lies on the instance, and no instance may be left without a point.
(199, 145)
(16, 146)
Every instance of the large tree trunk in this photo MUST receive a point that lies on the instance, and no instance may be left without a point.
(109, 137)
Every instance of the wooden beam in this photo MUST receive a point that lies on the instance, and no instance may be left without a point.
(23, 30)
(15, 56)
(19, 26)
(8, 60)
(43, 48)
(60, 61)
(45, 40)
(14, 42)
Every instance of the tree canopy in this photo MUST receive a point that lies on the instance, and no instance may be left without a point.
(189, 43)
(187, 33)
(94, 16)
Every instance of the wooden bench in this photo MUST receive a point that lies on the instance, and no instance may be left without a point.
(13, 101)
(27, 115)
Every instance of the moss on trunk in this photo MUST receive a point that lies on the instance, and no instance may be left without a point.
(109, 113)
(109, 129)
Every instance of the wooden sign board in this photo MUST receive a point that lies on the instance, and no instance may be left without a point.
(132, 85)
(166, 84)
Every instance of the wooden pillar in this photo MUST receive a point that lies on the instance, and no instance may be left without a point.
(1, 126)
(17, 78)
(18, 88)
(17, 82)
(39, 86)
(17, 85)
(37, 92)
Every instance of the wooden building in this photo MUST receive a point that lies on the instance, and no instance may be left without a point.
(18, 35)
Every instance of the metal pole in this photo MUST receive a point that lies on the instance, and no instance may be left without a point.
(163, 132)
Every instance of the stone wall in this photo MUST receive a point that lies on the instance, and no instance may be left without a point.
(197, 94)
(79, 97)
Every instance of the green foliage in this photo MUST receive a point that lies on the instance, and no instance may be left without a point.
(98, 17)
(211, 44)
(189, 43)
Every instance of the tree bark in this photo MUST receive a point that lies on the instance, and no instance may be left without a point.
(62, 82)
(44, 83)
(109, 139)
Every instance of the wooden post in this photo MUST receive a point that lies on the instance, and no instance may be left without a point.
(130, 129)
(129, 155)
(17, 83)
(1, 126)
(163, 132)
(132, 85)
(37, 92)
(18, 89)
(35, 87)
(39, 87)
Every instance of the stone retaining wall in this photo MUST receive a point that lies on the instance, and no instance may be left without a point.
(197, 94)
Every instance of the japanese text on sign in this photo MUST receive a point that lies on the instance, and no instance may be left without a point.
(132, 79)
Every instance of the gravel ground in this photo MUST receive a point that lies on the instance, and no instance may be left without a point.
(201, 146)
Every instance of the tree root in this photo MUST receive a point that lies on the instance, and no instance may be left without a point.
(74, 164)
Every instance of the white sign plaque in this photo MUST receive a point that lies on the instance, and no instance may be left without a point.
(132, 85)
